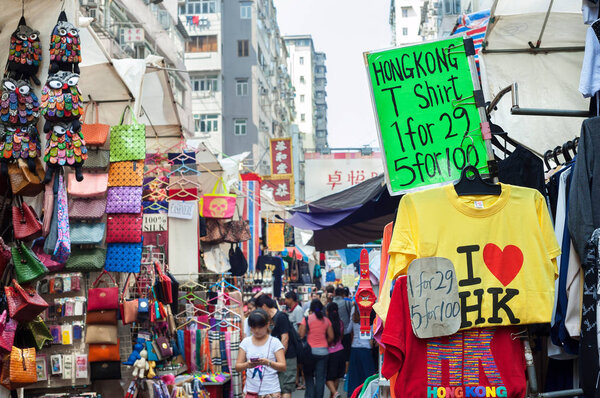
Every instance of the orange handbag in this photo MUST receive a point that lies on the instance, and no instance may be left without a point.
(94, 134)
(104, 352)
(18, 368)
(126, 174)
(93, 185)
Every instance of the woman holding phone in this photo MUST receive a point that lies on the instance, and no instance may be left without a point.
(261, 356)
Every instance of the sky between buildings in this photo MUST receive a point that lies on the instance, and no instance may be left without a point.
(343, 29)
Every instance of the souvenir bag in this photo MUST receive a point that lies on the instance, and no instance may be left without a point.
(39, 332)
(163, 286)
(46, 259)
(97, 159)
(83, 233)
(48, 208)
(123, 257)
(18, 368)
(102, 317)
(52, 237)
(65, 46)
(237, 260)
(237, 231)
(86, 259)
(103, 298)
(87, 208)
(129, 308)
(93, 185)
(101, 334)
(26, 225)
(127, 141)
(23, 181)
(27, 266)
(104, 352)
(24, 304)
(95, 134)
(124, 200)
(217, 205)
(7, 333)
(126, 174)
(107, 370)
(216, 230)
(62, 250)
(5, 256)
(25, 53)
(124, 228)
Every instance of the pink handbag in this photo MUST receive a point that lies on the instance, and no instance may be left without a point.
(86, 208)
(46, 259)
(92, 185)
(48, 207)
(124, 200)
(103, 298)
(7, 332)
(217, 205)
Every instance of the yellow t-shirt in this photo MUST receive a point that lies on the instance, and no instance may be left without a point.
(503, 248)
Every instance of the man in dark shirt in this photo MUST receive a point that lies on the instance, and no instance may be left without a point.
(282, 329)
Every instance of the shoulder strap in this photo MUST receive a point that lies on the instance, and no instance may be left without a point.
(133, 119)
(100, 277)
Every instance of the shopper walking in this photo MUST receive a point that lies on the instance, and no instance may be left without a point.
(319, 334)
(261, 356)
(336, 363)
(295, 312)
(250, 306)
(345, 311)
(361, 359)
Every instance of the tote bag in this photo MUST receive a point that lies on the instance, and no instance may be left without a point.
(127, 141)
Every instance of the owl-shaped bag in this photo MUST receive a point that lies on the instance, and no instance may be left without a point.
(19, 106)
(25, 53)
(65, 46)
(61, 98)
(218, 205)
(20, 142)
(127, 141)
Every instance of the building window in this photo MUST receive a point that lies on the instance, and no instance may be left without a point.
(241, 87)
(242, 48)
(404, 31)
(451, 7)
(205, 83)
(301, 60)
(246, 10)
(239, 126)
(302, 98)
(302, 80)
(303, 117)
(201, 44)
(404, 12)
(206, 123)
(197, 7)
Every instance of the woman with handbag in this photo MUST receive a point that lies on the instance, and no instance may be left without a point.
(320, 335)
(261, 356)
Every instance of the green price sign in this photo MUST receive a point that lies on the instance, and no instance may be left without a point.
(429, 123)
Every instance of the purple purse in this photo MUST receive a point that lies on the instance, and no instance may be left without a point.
(124, 200)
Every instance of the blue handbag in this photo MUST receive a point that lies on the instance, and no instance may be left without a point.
(123, 257)
(87, 233)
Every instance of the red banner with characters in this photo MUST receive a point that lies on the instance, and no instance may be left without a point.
(281, 156)
(283, 188)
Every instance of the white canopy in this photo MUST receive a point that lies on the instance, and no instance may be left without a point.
(547, 80)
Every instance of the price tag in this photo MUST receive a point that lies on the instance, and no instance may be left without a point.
(181, 209)
(433, 297)
(154, 222)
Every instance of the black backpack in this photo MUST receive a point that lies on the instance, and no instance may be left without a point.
(237, 260)
(303, 350)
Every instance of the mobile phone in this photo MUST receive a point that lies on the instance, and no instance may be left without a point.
(254, 359)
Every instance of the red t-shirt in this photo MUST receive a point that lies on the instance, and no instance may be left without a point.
(471, 363)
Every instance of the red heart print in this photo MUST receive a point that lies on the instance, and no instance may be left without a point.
(504, 264)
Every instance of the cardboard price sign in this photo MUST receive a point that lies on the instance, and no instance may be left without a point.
(433, 297)
(429, 123)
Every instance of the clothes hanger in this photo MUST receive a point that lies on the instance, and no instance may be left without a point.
(184, 168)
(156, 206)
(195, 321)
(565, 151)
(471, 183)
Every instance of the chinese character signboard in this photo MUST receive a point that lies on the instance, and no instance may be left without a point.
(429, 113)
(282, 187)
(327, 174)
(281, 156)
(133, 35)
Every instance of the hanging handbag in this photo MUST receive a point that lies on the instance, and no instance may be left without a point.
(5, 256)
(124, 200)
(103, 298)
(163, 345)
(92, 185)
(101, 334)
(237, 231)
(26, 225)
(124, 228)
(86, 259)
(97, 159)
(94, 134)
(163, 286)
(62, 249)
(27, 266)
(102, 317)
(126, 174)
(218, 205)
(215, 231)
(129, 308)
(83, 233)
(104, 352)
(123, 257)
(40, 333)
(105, 370)
(237, 260)
(18, 368)
(48, 208)
(23, 181)
(7, 333)
(87, 208)
(127, 141)
(24, 304)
